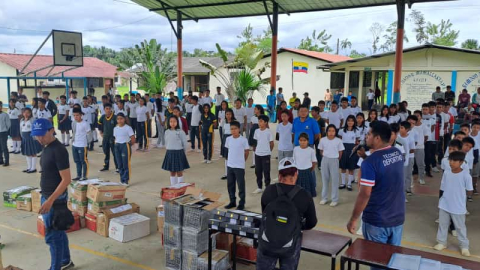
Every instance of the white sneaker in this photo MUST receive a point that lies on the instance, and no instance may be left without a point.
(209, 161)
(422, 182)
(465, 252)
(437, 221)
(468, 213)
(439, 247)
(257, 191)
(323, 202)
(435, 169)
(454, 233)
(406, 200)
(204, 161)
(198, 151)
(333, 204)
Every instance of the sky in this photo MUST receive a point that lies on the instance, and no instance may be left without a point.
(24, 24)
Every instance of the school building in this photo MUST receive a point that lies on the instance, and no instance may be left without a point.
(424, 68)
(101, 75)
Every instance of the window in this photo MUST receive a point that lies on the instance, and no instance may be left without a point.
(50, 80)
(96, 82)
(337, 80)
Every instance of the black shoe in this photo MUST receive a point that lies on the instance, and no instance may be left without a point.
(349, 188)
(67, 145)
(342, 187)
(6, 164)
(224, 177)
(241, 207)
(429, 174)
(18, 152)
(253, 166)
(103, 170)
(1, 162)
(230, 206)
(26, 170)
(95, 141)
(67, 266)
(12, 152)
(76, 179)
(32, 171)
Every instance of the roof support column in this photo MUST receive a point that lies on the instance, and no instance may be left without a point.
(179, 56)
(399, 50)
(273, 69)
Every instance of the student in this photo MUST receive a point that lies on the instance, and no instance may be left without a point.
(394, 117)
(30, 146)
(283, 107)
(221, 121)
(106, 125)
(295, 108)
(208, 122)
(408, 141)
(350, 137)
(443, 124)
(142, 118)
(421, 135)
(64, 122)
(258, 110)
(43, 112)
(306, 161)
(15, 114)
(49, 104)
(322, 112)
(337, 96)
(79, 145)
(475, 134)
(370, 98)
(452, 205)
(344, 109)
(395, 128)
(92, 101)
(132, 112)
(4, 131)
(430, 144)
(121, 108)
(229, 118)
(454, 145)
(284, 137)
(237, 150)
(195, 125)
(372, 117)
(219, 99)
(117, 99)
(124, 139)
(385, 115)
(181, 120)
(160, 123)
(175, 160)
(263, 151)
(149, 105)
(331, 149)
(240, 114)
(101, 107)
(250, 113)
(315, 112)
(334, 116)
(35, 108)
(354, 108)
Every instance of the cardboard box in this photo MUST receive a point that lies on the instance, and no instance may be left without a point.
(246, 250)
(224, 241)
(103, 219)
(129, 227)
(97, 207)
(77, 207)
(174, 191)
(220, 260)
(41, 226)
(106, 192)
(36, 200)
(10, 196)
(91, 222)
(78, 189)
(160, 218)
(199, 198)
(24, 202)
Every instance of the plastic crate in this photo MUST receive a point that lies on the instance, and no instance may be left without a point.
(189, 260)
(194, 241)
(173, 258)
(173, 213)
(195, 218)
(172, 235)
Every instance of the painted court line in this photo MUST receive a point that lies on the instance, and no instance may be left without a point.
(87, 250)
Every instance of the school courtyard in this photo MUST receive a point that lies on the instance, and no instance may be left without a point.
(26, 249)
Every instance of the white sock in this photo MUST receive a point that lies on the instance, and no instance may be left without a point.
(34, 163)
(29, 163)
(15, 146)
(343, 178)
(95, 136)
(68, 139)
(180, 179)
(350, 179)
(63, 138)
(225, 167)
(19, 146)
(355, 175)
(253, 160)
(173, 180)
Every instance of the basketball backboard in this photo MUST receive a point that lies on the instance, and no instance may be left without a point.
(67, 48)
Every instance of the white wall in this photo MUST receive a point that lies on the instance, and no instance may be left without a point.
(6, 70)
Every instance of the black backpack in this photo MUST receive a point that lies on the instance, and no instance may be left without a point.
(281, 226)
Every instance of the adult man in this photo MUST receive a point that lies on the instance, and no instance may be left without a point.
(219, 98)
(381, 197)
(241, 115)
(306, 100)
(280, 97)
(271, 99)
(4, 129)
(438, 94)
(54, 181)
(328, 98)
(305, 124)
(151, 113)
(49, 104)
(106, 124)
(207, 99)
(291, 101)
(464, 98)
(305, 208)
(476, 98)
(449, 94)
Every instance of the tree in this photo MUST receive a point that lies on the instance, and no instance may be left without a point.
(355, 54)
(420, 26)
(442, 34)
(391, 38)
(317, 42)
(263, 41)
(344, 44)
(376, 29)
(471, 44)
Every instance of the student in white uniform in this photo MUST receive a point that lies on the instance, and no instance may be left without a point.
(250, 112)
(407, 139)
(79, 145)
(241, 115)
(64, 123)
(284, 137)
(30, 146)
(43, 112)
(420, 132)
(124, 139)
(160, 123)
(15, 114)
(334, 116)
(142, 119)
(229, 118)
(131, 107)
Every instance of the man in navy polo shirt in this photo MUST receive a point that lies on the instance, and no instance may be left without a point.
(305, 124)
(381, 197)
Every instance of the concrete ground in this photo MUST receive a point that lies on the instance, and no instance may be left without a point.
(26, 249)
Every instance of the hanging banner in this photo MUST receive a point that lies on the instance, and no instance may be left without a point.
(417, 86)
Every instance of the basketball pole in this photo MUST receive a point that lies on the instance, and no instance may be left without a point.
(35, 54)
(179, 56)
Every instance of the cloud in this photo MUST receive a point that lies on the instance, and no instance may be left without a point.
(116, 24)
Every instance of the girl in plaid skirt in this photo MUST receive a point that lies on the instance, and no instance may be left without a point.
(175, 160)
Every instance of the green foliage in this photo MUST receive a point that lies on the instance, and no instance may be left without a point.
(262, 42)
(420, 26)
(442, 34)
(316, 42)
(376, 30)
(345, 44)
(246, 83)
(391, 38)
(471, 44)
(355, 54)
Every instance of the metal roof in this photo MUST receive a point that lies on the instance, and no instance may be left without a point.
(215, 9)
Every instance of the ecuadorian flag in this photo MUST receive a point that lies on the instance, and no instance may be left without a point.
(300, 67)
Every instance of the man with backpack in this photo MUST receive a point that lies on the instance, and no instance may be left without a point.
(287, 210)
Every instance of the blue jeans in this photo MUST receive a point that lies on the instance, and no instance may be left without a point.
(123, 151)
(80, 157)
(194, 133)
(265, 262)
(385, 235)
(57, 240)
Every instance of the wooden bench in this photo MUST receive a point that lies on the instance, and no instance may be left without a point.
(364, 252)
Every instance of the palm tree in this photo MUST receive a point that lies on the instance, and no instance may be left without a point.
(471, 44)
(344, 44)
(246, 84)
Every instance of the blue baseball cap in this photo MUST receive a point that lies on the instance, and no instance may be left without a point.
(41, 126)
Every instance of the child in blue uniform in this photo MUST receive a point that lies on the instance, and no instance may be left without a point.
(124, 139)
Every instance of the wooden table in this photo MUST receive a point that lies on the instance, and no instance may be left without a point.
(318, 242)
(378, 255)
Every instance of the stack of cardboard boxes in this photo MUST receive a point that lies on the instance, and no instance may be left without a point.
(186, 227)
(11, 196)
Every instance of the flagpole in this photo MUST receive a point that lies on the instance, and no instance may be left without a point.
(292, 76)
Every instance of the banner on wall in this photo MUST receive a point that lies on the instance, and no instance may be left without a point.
(468, 80)
(417, 86)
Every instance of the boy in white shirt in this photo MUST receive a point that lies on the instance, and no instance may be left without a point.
(131, 107)
(335, 117)
(409, 145)
(237, 155)
(284, 137)
(456, 183)
(263, 152)
(421, 136)
(249, 111)
(82, 132)
(344, 109)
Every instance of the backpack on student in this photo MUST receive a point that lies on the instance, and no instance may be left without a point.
(281, 226)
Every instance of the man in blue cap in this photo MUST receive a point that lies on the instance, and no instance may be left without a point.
(54, 181)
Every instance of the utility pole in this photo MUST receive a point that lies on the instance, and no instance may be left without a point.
(338, 46)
